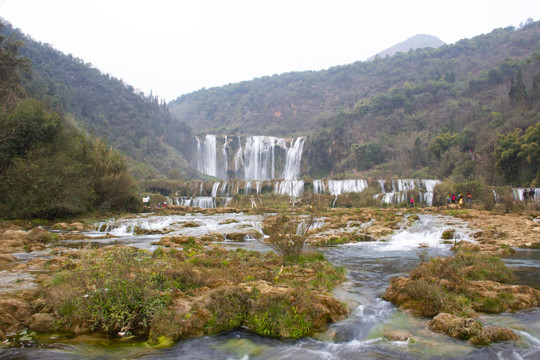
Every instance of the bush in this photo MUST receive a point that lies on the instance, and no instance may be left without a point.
(112, 291)
(287, 234)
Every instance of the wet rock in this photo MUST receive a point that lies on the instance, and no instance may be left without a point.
(212, 237)
(192, 224)
(243, 235)
(6, 259)
(41, 322)
(448, 234)
(39, 234)
(228, 221)
(397, 335)
(469, 329)
(8, 323)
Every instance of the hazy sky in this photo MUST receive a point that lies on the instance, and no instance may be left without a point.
(175, 47)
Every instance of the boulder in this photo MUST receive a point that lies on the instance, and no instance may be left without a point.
(19, 309)
(397, 335)
(41, 322)
(469, 329)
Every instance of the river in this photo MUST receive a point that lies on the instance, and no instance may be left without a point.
(370, 267)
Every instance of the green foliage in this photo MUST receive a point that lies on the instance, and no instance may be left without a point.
(517, 156)
(112, 291)
(441, 143)
(12, 66)
(50, 170)
(29, 126)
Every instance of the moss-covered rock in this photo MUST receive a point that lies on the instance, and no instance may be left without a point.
(470, 329)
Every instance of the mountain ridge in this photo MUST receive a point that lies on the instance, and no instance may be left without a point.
(418, 41)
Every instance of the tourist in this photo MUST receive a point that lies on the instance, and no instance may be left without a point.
(531, 195)
(469, 197)
(448, 199)
(253, 203)
(525, 195)
(453, 198)
(412, 201)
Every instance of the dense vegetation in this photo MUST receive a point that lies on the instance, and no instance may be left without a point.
(49, 168)
(424, 113)
(105, 107)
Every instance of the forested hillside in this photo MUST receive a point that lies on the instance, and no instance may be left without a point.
(106, 107)
(424, 113)
(49, 168)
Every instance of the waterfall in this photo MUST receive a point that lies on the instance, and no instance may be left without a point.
(206, 155)
(260, 158)
(318, 187)
(381, 183)
(294, 159)
(338, 187)
(429, 185)
(215, 188)
(289, 187)
(225, 161)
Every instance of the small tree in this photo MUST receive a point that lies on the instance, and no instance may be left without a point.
(287, 233)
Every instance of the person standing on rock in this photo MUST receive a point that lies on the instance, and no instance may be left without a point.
(469, 197)
(412, 201)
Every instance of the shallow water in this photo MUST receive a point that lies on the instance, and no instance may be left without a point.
(370, 267)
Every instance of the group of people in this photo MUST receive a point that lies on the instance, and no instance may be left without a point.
(452, 199)
(528, 195)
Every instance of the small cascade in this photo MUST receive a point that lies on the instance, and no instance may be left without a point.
(338, 187)
(401, 187)
(318, 187)
(381, 183)
(215, 189)
(293, 188)
(204, 202)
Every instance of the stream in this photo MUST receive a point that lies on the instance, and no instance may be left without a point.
(370, 267)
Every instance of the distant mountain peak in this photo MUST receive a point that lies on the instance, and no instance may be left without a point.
(416, 42)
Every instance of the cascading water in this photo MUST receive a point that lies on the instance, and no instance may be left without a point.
(257, 159)
(206, 155)
(294, 159)
(318, 187)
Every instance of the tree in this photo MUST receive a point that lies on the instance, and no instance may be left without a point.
(507, 149)
(530, 151)
(12, 65)
(518, 91)
(29, 126)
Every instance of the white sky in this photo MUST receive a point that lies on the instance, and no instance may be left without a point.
(175, 47)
